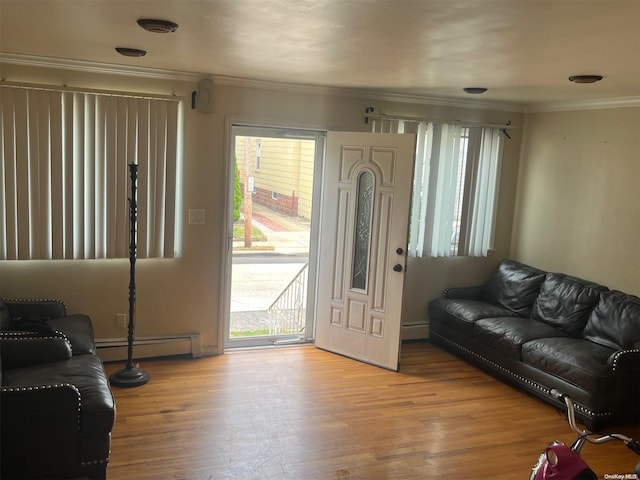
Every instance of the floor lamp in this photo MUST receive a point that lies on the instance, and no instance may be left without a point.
(131, 376)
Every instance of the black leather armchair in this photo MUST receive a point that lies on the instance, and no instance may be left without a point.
(56, 407)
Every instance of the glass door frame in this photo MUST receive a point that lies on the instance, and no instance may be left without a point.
(234, 129)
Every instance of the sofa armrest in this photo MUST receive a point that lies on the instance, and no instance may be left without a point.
(43, 309)
(625, 365)
(625, 361)
(20, 349)
(469, 293)
(41, 423)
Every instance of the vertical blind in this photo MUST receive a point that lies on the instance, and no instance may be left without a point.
(65, 183)
(455, 189)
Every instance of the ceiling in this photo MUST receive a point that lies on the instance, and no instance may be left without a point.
(521, 50)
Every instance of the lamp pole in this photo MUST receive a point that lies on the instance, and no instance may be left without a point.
(131, 376)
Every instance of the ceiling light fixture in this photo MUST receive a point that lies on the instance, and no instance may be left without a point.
(585, 78)
(131, 52)
(475, 90)
(157, 26)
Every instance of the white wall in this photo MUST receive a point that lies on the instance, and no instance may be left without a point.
(184, 295)
(578, 202)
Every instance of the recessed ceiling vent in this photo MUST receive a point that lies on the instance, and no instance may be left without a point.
(157, 26)
(131, 52)
(475, 90)
(585, 78)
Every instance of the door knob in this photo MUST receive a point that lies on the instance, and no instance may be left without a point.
(399, 251)
(397, 267)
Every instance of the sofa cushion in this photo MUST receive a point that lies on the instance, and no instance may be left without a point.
(565, 302)
(576, 360)
(507, 334)
(31, 323)
(615, 321)
(86, 373)
(42, 309)
(461, 314)
(514, 286)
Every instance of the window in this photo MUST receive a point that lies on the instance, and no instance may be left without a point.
(64, 180)
(362, 230)
(455, 190)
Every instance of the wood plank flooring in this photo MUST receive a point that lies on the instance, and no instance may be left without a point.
(305, 414)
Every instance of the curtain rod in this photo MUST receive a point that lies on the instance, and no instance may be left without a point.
(369, 115)
(109, 93)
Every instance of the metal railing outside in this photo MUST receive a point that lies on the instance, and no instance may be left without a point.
(287, 314)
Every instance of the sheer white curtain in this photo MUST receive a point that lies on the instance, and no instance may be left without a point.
(64, 175)
(455, 190)
(441, 191)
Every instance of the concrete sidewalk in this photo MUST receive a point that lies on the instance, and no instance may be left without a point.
(285, 235)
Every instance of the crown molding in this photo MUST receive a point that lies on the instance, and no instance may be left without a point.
(96, 67)
(164, 74)
(597, 104)
(368, 94)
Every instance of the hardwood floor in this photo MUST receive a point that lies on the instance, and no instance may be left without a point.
(305, 414)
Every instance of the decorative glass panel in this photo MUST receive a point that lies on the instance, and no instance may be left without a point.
(362, 231)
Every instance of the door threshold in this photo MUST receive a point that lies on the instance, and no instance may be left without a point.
(268, 347)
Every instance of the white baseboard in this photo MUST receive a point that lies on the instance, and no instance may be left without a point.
(415, 331)
(114, 349)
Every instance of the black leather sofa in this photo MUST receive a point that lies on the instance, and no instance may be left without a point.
(542, 331)
(56, 406)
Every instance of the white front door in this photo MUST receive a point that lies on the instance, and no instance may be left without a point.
(363, 240)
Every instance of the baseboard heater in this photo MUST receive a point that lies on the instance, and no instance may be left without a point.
(115, 349)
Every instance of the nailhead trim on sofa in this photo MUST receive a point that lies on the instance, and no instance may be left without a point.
(28, 300)
(618, 354)
(543, 389)
(94, 462)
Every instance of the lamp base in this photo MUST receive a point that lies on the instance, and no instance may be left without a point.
(129, 377)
